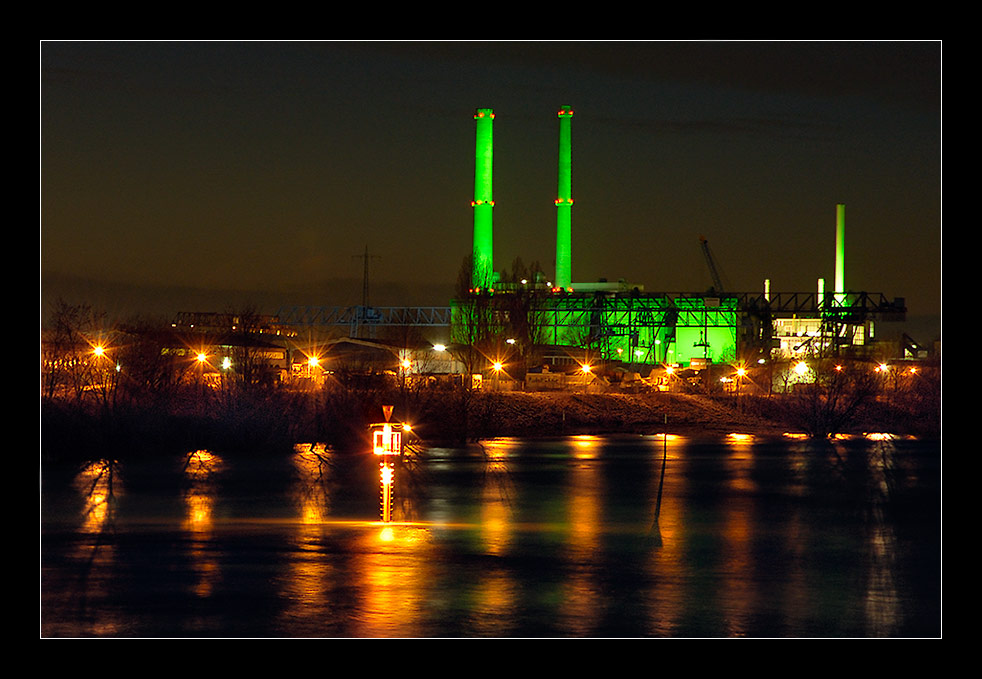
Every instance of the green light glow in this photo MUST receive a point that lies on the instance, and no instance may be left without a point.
(840, 252)
(648, 330)
(483, 201)
(564, 201)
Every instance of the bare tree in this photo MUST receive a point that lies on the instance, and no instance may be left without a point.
(70, 364)
(833, 398)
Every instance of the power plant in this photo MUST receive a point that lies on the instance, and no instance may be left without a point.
(622, 322)
(538, 315)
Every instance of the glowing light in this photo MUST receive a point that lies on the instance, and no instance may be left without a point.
(201, 358)
(439, 347)
(385, 441)
(497, 367)
(312, 361)
(226, 363)
(386, 475)
(510, 340)
(99, 350)
(801, 368)
(877, 436)
(586, 368)
(838, 368)
(405, 363)
(741, 372)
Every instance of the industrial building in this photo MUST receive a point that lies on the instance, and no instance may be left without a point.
(553, 320)
(623, 322)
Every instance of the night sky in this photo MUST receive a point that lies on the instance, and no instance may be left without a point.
(191, 176)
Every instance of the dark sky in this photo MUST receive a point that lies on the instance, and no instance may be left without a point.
(263, 170)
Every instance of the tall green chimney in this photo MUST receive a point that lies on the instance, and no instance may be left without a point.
(481, 276)
(564, 201)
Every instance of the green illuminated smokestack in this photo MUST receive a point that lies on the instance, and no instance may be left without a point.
(840, 252)
(481, 275)
(564, 201)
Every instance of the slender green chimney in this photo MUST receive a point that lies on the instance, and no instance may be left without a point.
(564, 201)
(840, 253)
(481, 276)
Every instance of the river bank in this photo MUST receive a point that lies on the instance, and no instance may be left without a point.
(279, 419)
(552, 414)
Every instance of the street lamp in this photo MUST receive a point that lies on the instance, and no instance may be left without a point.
(497, 367)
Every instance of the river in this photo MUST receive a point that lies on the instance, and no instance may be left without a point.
(580, 536)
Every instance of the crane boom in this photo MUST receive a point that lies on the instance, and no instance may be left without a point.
(717, 283)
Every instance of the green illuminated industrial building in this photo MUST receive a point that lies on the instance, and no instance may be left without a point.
(622, 322)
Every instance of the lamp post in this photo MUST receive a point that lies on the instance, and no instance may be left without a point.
(740, 374)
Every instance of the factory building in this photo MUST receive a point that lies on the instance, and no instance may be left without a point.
(622, 322)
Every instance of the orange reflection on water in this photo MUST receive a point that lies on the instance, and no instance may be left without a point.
(585, 521)
(884, 613)
(395, 577)
(201, 469)
(586, 446)
(199, 498)
(494, 605)
(98, 484)
(496, 498)
(666, 605)
(308, 574)
(741, 592)
(311, 493)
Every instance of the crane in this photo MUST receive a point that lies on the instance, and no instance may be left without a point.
(717, 283)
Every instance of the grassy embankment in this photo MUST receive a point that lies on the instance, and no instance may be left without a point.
(278, 419)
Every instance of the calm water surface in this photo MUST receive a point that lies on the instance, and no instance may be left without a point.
(576, 537)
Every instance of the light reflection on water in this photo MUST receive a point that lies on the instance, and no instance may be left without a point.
(583, 536)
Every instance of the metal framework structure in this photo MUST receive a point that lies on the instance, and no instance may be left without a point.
(356, 317)
(667, 327)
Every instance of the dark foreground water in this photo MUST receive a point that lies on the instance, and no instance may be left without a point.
(578, 537)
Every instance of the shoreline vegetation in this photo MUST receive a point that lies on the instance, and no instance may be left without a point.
(265, 421)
